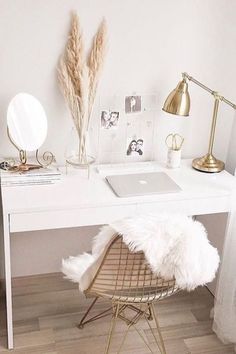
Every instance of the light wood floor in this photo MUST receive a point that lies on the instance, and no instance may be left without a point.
(48, 308)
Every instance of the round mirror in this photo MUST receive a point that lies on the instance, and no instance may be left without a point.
(27, 122)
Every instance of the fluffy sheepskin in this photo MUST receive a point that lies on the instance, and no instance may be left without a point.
(174, 245)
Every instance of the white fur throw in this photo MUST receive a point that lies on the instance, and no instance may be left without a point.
(174, 245)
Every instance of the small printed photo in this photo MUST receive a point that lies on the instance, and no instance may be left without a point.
(132, 104)
(135, 147)
(109, 120)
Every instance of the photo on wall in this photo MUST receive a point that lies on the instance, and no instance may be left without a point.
(109, 119)
(133, 104)
(135, 147)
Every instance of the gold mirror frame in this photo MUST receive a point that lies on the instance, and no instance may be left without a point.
(48, 158)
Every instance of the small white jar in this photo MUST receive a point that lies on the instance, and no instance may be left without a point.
(173, 158)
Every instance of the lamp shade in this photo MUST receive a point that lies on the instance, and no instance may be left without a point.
(178, 101)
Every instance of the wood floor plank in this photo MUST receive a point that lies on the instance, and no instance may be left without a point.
(202, 314)
(34, 338)
(184, 331)
(34, 341)
(96, 344)
(26, 326)
(207, 344)
(48, 308)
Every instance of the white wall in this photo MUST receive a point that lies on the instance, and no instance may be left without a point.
(150, 44)
(42, 251)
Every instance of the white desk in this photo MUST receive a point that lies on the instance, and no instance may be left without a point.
(77, 201)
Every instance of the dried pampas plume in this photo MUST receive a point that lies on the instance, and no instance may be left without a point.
(67, 89)
(96, 60)
(78, 78)
(74, 53)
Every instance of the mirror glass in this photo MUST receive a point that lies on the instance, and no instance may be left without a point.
(27, 122)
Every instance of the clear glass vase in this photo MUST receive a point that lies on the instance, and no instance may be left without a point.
(78, 153)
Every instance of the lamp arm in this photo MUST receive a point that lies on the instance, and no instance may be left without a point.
(214, 93)
(229, 102)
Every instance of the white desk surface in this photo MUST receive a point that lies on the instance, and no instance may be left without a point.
(76, 191)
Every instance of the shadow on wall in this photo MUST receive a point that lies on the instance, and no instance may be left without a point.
(231, 156)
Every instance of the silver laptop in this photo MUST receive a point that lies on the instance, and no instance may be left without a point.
(142, 184)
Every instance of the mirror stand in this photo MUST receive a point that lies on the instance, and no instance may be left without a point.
(47, 157)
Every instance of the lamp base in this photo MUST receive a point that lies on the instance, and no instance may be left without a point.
(208, 163)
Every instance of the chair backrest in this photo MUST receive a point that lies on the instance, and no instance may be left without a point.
(125, 275)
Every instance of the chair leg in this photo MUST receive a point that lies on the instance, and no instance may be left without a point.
(102, 314)
(150, 318)
(163, 349)
(112, 327)
(132, 323)
(82, 322)
(124, 338)
(143, 338)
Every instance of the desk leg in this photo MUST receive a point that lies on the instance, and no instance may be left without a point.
(224, 309)
(8, 285)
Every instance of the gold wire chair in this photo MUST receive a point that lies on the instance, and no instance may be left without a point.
(126, 279)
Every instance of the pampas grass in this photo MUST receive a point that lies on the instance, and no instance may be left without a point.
(78, 78)
(95, 62)
(74, 54)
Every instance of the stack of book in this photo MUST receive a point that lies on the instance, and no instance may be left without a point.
(39, 176)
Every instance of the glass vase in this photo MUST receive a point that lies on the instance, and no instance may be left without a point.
(78, 151)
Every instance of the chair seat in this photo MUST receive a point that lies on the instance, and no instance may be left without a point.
(136, 295)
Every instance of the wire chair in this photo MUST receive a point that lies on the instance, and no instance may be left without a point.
(126, 279)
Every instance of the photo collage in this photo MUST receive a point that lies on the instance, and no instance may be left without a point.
(126, 128)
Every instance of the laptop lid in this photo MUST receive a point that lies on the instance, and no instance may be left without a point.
(142, 184)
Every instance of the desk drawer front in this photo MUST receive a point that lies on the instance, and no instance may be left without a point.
(188, 206)
(69, 218)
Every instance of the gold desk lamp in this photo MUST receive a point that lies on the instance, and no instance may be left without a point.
(178, 103)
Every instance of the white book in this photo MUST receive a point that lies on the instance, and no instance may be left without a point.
(32, 178)
(30, 183)
(42, 176)
(32, 174)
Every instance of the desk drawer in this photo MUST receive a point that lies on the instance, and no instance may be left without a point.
(188, 206)
(69, 218)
